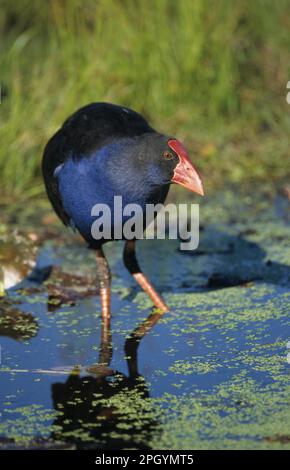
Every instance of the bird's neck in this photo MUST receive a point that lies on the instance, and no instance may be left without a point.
(116, 166)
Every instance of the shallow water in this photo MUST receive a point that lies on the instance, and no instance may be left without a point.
(212, 373)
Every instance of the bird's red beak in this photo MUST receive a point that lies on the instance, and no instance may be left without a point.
(185, 174)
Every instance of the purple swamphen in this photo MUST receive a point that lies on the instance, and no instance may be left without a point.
(104, 150)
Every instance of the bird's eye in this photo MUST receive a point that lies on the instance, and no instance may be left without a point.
(168, 155)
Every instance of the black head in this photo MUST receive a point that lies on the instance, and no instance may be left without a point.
(150, 161)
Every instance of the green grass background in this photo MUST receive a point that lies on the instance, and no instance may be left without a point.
(212, 73)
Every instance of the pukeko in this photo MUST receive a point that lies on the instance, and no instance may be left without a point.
(104, 150)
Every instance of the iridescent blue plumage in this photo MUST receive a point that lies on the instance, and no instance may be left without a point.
(111, 171)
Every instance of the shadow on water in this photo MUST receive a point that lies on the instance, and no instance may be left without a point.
(232, 260)
(222, 260)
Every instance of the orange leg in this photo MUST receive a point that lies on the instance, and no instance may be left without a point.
(132, 265)
(104, 278)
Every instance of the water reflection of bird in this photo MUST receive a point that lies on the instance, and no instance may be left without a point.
(103, 151)
(106, 408)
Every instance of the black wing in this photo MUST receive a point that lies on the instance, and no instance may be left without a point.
(83, 133)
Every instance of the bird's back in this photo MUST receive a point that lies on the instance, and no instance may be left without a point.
(85, 132)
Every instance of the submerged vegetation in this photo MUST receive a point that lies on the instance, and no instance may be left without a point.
(212, 72)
